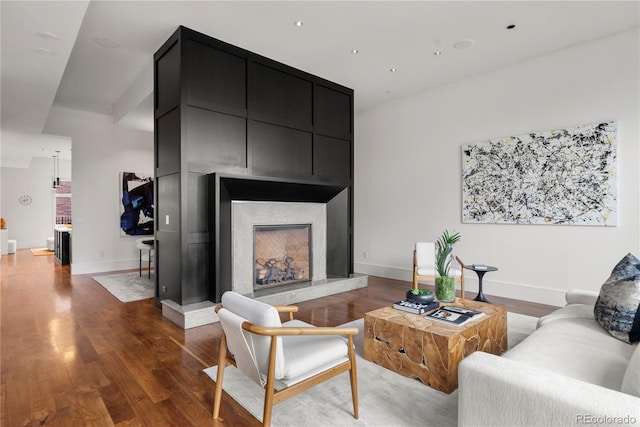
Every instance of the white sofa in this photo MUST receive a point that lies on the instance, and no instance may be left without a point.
(569, 372)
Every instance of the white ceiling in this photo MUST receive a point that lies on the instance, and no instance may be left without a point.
(83, 75)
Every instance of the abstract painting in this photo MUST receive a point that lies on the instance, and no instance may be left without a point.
(565, 176)
(136, 209)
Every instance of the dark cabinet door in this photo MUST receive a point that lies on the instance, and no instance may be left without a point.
(333, 111)
(214, 78)
(280, 97)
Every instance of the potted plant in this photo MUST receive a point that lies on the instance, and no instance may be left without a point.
(421, 296)
(445, 283)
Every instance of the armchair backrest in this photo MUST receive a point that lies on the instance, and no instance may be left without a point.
(235, 310)
(425, 254)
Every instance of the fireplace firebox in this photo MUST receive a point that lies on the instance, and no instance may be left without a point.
(282, 255)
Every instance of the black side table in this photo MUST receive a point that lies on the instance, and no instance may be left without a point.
(480, 270)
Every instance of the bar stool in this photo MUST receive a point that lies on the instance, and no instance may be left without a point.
(145, 244)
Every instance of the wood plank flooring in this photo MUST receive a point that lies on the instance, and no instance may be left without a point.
(73, 355)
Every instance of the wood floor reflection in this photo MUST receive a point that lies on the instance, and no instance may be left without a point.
(73, 355)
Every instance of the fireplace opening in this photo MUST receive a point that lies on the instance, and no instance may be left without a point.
(282, 255)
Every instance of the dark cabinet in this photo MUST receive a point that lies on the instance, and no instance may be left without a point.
(221, 110)
(62, 246)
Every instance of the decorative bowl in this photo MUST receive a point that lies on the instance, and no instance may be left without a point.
(420, 298)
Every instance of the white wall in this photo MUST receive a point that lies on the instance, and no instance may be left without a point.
(408, 170)
(101, 151)
(31, 225)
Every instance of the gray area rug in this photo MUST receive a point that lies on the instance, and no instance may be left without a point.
(129, 286)
(385, 398)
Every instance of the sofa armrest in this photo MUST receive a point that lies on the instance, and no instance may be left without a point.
(494, 391)
(581, 296)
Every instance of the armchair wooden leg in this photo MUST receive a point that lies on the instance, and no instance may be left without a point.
(354, 378)
(461, 277)
(415, 271)
(222, 362)
(269, 387)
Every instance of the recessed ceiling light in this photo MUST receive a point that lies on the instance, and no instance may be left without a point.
(106, 42)
(44, 51)
(48, 35)
(463, 44)
(393, 69)
(355, 51)
(511, 27)
(437, 53)
(298, 23)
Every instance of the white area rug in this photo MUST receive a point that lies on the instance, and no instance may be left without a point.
(129, 286)
(385, 398)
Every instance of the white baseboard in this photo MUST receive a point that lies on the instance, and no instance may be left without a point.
(383, 271)
(519, 291)
(105, 266)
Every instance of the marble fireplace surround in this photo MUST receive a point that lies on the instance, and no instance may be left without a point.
(247, 214)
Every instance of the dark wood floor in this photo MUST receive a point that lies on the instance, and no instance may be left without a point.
(73, 355)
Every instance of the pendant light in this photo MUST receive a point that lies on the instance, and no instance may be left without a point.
(56, 170)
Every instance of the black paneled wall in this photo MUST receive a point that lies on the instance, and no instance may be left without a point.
(233, 125)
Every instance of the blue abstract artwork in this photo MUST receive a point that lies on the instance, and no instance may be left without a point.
(562, 177)
(137, 207)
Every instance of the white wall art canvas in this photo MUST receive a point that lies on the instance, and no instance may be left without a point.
(562, 177)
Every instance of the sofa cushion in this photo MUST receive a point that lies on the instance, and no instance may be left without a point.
(576, 347)
(572, 311)
(618, 306)
(631, 380)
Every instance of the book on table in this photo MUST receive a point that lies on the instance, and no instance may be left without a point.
(462, 310)
(453, 315)
(414, 307)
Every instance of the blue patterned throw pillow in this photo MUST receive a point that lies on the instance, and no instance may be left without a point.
(618, 306)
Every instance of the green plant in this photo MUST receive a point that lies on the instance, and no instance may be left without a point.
(420, 291)
(444, 247)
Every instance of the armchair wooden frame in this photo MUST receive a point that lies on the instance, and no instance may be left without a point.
(417, 278)
(273, 396)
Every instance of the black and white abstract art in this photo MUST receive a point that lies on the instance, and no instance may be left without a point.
(564, 176)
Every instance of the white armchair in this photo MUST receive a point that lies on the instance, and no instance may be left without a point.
(283, 358)
(424, 267)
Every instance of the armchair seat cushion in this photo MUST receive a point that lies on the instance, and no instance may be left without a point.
(426, 271)
(310, 354)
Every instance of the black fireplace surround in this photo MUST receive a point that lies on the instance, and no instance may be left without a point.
(233, 125)
(227, 189)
